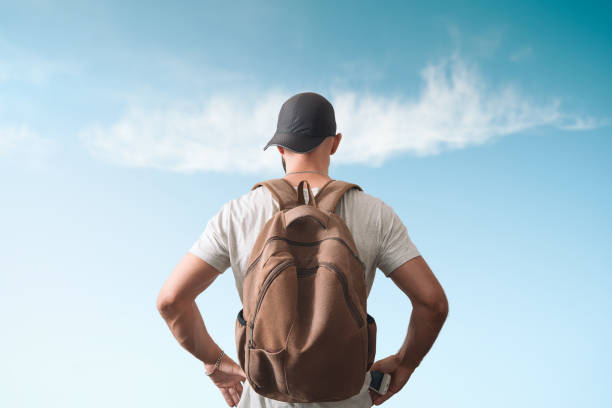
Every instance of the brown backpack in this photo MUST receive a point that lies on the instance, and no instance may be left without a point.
(304, 334)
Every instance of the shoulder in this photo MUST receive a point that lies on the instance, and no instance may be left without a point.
(369, 206)
(250, 201)
(361, 198)
(258, 195)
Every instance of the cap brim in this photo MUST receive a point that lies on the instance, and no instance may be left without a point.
(298, 144)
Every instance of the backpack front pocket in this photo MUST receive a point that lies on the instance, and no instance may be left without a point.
(266, 371)
(269, 329)
(327, 345)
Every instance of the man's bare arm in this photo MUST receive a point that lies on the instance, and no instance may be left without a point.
(429, 311)
(176, 303)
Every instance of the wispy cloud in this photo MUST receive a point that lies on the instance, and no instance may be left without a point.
(23, 145)
(574, 122)
(455, 109)
(484, 43)
(225, 134)
(17, 64)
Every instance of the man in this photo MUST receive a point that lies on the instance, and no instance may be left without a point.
(306, 138)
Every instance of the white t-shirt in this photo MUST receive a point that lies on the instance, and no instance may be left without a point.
(380, 236)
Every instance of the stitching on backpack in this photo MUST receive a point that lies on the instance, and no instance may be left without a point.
(285, 360)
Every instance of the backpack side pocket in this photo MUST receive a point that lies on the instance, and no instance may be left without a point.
(371, 340)
(241, 335)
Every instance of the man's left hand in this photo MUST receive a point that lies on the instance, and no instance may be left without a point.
(228, 378)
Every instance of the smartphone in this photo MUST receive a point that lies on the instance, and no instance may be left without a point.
(380, 382)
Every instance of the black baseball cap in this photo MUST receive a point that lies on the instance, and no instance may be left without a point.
(304, 121)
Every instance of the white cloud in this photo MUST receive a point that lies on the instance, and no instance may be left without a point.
(582, 123)
(17, 64)
(225, 134)
(455, 109)
(22, 144)
(484, 43)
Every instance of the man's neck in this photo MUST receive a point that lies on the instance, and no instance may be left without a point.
(316, 180)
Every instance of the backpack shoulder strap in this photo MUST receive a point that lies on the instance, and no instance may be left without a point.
(281, 190)
(330, 194)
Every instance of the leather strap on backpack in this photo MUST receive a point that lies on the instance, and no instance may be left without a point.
(282, 191)
(327, 198)
(330, 194)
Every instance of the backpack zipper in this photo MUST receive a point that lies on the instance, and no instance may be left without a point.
(303, 272)
(264, 288)
(312, 243)
(282, 266)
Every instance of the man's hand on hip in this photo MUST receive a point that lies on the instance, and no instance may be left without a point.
(399, 377)
(228, 378)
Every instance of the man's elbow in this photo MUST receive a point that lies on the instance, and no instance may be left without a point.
(166, 304)
(438, 308)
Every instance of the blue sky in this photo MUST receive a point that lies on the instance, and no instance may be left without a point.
(124, 128)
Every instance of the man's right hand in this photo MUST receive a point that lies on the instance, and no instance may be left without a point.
(399, 377)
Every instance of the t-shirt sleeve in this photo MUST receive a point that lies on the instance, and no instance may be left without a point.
(212, 245)
(395, 245)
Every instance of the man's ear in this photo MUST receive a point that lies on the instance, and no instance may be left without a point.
(336, 143)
